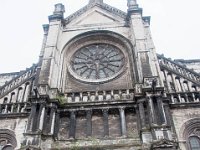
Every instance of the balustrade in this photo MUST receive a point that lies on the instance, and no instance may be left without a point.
(177, 68)
(12, 108)
(17, 81)
(99, 96)
(189, 97)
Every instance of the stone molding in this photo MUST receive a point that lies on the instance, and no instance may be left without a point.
(104, 6)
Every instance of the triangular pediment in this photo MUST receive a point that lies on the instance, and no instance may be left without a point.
(96, 14)
(95, 17)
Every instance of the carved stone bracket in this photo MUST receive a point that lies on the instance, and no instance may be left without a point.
(172, 145)
(151, 84)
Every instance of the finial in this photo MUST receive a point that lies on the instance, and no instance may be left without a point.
(132, 4)
(59, 9)
(58, 12)
(96, 1)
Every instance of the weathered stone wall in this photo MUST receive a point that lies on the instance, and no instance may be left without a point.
(181, 116)
(98, 125)
(17, 126)
(6, 77)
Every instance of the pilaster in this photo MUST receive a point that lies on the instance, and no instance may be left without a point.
(31, 117)
(142, 114)
(57, 124)
(72, 128)
(105, 122)
(122, 120)
(50, 64)
(89, 123)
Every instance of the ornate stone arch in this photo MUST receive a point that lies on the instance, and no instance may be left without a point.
(191, 128)
(7, 138)
(100, 36)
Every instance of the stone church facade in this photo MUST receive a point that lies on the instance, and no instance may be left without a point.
(99, 85)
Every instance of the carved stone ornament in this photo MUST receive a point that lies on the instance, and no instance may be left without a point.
(197, 132)
(97, 62)
(164, 144)
(150, 82)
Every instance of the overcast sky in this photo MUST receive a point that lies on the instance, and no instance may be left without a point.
(175, 27)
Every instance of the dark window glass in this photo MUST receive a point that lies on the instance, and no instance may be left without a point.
(194, 143)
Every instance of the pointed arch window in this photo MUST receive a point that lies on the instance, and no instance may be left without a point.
(194, 143)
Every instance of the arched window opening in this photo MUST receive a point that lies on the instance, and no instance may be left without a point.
(20, 94)
(185, 85)
(5, 100)
(194, 88)
(26, 92)
(2, 143)
(12, 98)
(5, 145)
(7, 140)
(8, 147)
(194, 143)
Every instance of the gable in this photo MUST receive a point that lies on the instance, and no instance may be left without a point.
(95, 15)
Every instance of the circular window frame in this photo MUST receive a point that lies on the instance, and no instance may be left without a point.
(101, 37)
(100, 80)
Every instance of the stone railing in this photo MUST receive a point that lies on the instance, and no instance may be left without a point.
(13, 108)
(98, 96)
(188, 97)
(179, 69)
(14, 83)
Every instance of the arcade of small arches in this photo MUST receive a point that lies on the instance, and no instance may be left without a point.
(181, 84)
(16, 101)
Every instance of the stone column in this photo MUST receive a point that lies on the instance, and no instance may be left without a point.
(41, 122)
(181, 85)
(161, 110)
(81, 97)
(12, 108)
(23, 95)
(136, 107)
(88, 96)
(18, 90)
(112, 94)
(151, 111)
(186, 97)
(31, 117)
(52, 120)
(72, 128)
(57, 124)
(6, 109)
(168, 114)
(174, 82)
(142, 114)
(166, 79)
(89, 123)
(123, 121)
(40, 117)
(104, 95)
(73, 97)
(105, 122)
(18, 108)
(96, 96)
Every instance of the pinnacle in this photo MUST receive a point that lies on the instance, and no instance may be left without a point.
(96, 1)
(132, 4)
